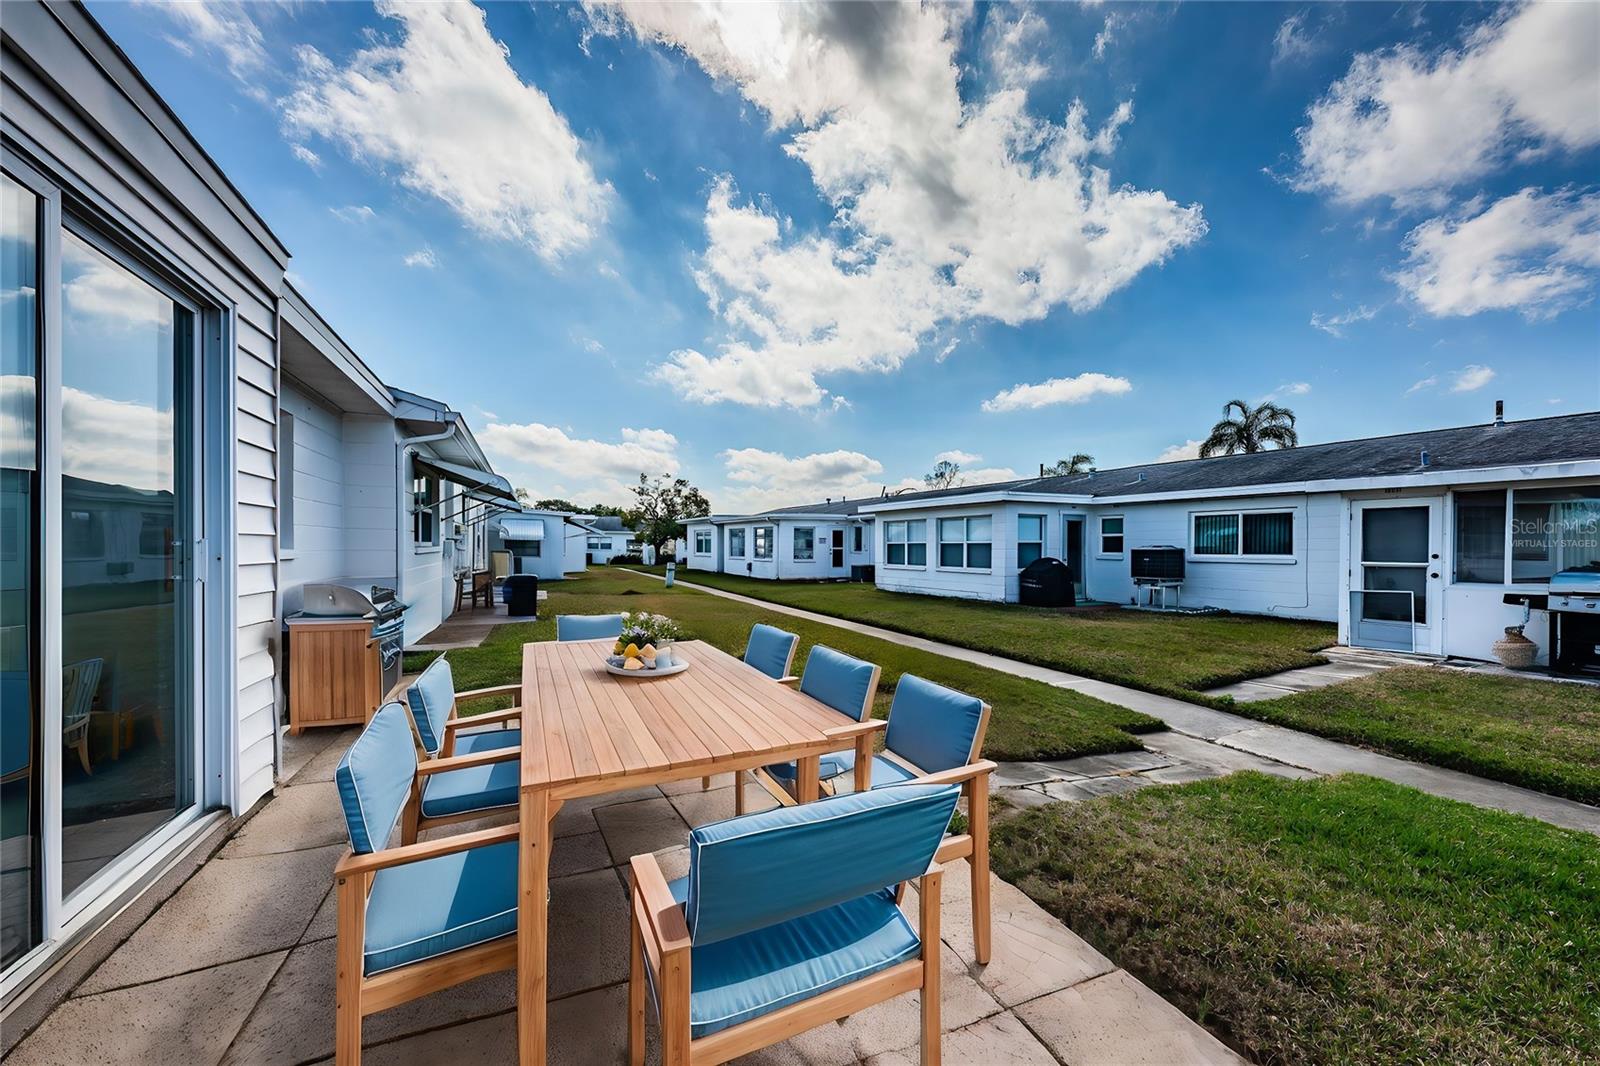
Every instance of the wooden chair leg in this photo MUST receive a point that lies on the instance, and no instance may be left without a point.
(673, 1006)
(932, 1029)
(83, 752)
(978, 826)
(705, 784)
(636, 990)
(347, 978)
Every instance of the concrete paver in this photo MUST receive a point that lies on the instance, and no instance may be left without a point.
(296, 820)
(998, 1041)
(1114, 1020)
(644, 825)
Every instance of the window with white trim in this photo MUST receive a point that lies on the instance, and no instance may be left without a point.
(702, 542)
(424, 499)
(1030, 538)
(1111, 534)
(736, 544)
(856, 535)
(906, 543)
(966, 543)
(1243, 535)
(763, 542)
(805, 544)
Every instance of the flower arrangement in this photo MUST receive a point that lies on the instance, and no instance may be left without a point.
(642, 627)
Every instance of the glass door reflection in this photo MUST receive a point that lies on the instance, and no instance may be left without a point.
(126, 701)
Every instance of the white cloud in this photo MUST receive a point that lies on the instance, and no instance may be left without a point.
(443, 108)
(1108, 33)
(226, 28)
(1471, 378)
(592, 346)
(1528, 252)
(422, 257)
(1334, 325)
(93, 285)
(593, 469)
(355, 213)
(1408, 126)
(1189, 449)
(1292, 41)
(945, 210)
(116, 442)
(758, 479)
(306, 156)
(1077, 389)
(1292, 388)
(960, 458)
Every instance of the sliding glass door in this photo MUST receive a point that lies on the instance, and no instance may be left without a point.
(99, 643)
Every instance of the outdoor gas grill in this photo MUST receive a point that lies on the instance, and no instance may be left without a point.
(358, 628)
(1574, 606)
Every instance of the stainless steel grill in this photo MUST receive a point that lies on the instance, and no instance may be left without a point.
(1574, 606)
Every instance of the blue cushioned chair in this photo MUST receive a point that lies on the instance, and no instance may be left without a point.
(416, 918)
(588, 626)
(934, 734)
(471, 773)
(770, 650)
(786, 921)
(846, 684)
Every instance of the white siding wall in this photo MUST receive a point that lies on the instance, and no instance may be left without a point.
(935, 580)
(1306, 586)
(712, 561)
(372, 497)
(319, 491)
(748, 564)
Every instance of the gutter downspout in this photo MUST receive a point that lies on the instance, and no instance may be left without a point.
(403, 447)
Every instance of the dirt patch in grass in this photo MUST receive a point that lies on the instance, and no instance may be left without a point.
(1335, 920)
(1031, 720)
(1538, 734)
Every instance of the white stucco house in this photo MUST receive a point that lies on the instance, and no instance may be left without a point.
(606, 539)
(1450, 524)
(831, 540)
(183, 441)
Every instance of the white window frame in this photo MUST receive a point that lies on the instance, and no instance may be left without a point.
(1044, 528)
(794, 544)
(431, 507)
(1238, 555)
(966, 543)
(1101, 534)
(699, 535)
(762, 537)
(743, 538)
(904, 525)
(858, 538)
(285, 485)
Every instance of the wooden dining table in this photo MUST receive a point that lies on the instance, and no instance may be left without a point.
(587, 732)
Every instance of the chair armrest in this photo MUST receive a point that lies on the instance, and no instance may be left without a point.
(467, 762)
(957, 775)
(428, 849)
(789, 680)
(668, 930)
(496, 690)
(856, 729)
(510, 714)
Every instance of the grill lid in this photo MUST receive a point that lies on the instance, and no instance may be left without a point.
(1580, 581)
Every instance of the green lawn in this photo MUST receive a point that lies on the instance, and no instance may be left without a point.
(1332, 921)
(1175, 655)
(1031, 720)
(1537, 734)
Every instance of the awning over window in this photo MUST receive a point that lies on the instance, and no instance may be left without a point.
(514, 528)
(477, 483)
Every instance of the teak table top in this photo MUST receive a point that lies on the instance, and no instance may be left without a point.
(582, 725)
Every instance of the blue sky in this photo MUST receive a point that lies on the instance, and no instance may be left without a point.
(805, 251)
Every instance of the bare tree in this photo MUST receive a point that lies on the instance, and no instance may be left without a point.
(947, 475)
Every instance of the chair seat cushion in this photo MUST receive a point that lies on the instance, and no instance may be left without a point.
(829, 766)
(744, 977)
(423, 909)
(477, 788)
(488, 740)
(884, 772)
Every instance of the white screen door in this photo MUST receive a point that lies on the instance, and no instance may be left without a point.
(1396, 545)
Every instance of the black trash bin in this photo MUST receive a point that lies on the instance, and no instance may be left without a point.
(1046, 583)
(522, 596)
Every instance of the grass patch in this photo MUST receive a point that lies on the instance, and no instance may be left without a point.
(1335, 920)
(1537, 734)
(1133, 648)
(1031, 720)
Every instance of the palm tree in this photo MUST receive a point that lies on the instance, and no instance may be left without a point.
(1252, 431)
(1080, 463)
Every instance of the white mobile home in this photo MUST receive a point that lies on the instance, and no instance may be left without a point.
(826, 541)
(182, 441)
(1430, 541)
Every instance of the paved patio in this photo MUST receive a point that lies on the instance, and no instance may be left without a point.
(237, 966)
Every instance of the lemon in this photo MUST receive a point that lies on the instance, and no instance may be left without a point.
(632, 651)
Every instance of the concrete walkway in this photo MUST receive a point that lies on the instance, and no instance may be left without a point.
(237, 967)
(1288, 747)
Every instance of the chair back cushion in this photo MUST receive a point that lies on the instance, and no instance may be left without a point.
(751, 872)
(930, 726)
(79, 682)
(375, 776)
(588, 626)
(770, 650)
(837, 679)
(430, 698)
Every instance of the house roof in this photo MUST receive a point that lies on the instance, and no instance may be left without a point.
(840, 508)
(608, 523)
(1560, 438)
